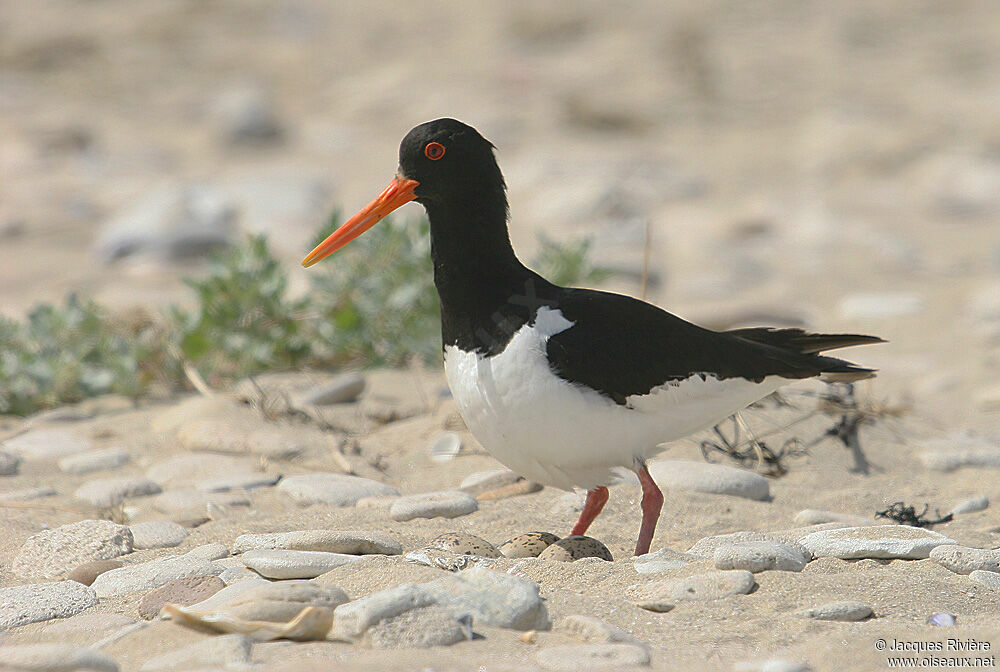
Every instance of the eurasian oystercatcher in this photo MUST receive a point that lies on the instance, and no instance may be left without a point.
(564, 385)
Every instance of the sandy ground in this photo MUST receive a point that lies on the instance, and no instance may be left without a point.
(795, 163)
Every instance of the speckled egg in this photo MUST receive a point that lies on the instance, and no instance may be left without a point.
(527, 545)
(575, 548)
(464, 544)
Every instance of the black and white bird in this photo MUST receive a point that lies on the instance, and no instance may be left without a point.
(566, 385)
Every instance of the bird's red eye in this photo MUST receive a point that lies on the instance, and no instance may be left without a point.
(434, 151)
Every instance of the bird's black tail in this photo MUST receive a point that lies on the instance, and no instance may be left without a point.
(796, 340)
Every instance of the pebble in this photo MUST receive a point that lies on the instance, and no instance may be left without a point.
(186, 591)
(576, 547)
(874, 541)
(84, 625)
(213, 551)
(839, 611)
(527, 545)
(988, 579)
(481, 481)
(972, 505)
(25, 494)
(106, 492)
(218, 652)
(379, 502)
(55, 658)
(350, 620)
(88, 571)
(663, 560)
(522, 487)
(594, 630)
(445, 447)
(706, 546)
(143, 577)
(50, 553)
(880, 305)
(965, 560)
(332, 489)
(492, 598)
(45, 444)
(344, 388)
(186, 470)
(664, 595)
(273, 602)
(818, 517)
(9, 463)
(231, 575)
(760, 556)
(950, 460)
(576, 657)
(191, 504)
(714, 479)
(282, 564)
(417, 628)
(94, 460)
(464, 544)
(329, 541)
(36, 602)
(232, 591)
(249, 481)
(157, 534)
(447, 504)
(246, 116)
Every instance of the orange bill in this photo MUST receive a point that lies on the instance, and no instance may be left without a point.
(399, 192)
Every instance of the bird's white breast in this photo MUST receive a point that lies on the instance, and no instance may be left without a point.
(562, 434)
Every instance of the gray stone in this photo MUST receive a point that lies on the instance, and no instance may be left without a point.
(445, 447)
(527, 545)
(282, 564)
(341, 389)
(9, 463)
(25, 494)
(988, 579)
(89, 571)
(971, 505)
(664, 595)
(492, 598)
(464, 544)
(417, 628)
(965, 560)
(447, 504)
(663, 560)
(234, 590)
(238, 434)
(94, 460)
(569, 549)
(981, 458)
(106, 492)
(328, 541)
(250, 481)
(817, 517)
(578, 657)
(839, 611)
(143, 577)
(212, 551)
(760, 556)
(35, 602)
(706, 546)
(874, 541)
(51, 553)
(190, 504)
(277, 602)
(186, 591)
(157, 534)
(245, 116)
(55, 658)
(231, 575)
(481, 481)
(351, 620)
(220, 651)
(186, 470)
(45, 444)
(880, 305)
(595, 631)
(332, 489)
(84, 625)
(714, 479)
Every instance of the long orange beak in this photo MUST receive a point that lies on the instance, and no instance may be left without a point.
(399, 192)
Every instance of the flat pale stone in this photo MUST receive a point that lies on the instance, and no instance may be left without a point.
(973, 458)
(143, 577)
(971, 505)
(332, 489)
(817, 517)
(186, 591)
(760, 556)
(45, 444)
(329, 541)
(86, 624)
(277, 602)
(965, 560)
(55, 658)
(157, 534)
(249, 481)
(51, 553)
(352, 619)
(417, 628)
(714, 479)
(186, 470)
(707, 546)
(663, 560)
(111, 491)
(578, 657)
(839, 611)
(25, 494)
(447, 504)
(481, 481)
(874, 541)
(281, 564)
(212, 551)
(89, 571)
(988, 579)
(220, 652)
(233, 435)
(594, 630)
(663, 595)
(94, 460)
(343, 388)
(492, 598)
(36, 602)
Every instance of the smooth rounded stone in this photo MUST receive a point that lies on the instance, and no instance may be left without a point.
(88, 571)
(157, 534)
(51, 553)
(663, 560)
(594, 630)
(772, 665)
(714, 479)
(760, 556)
(332, 489)
(45, 444)
(212, 551)
(706, 546)
(818, 517)
(880, 305)
(219, 652)
(328, 541)
(144, 576)
(343, 388)
(578, 657)
(491, 598)
(35, 602)
(25, 494)
(464, 544)
(445, 447)
(839, 611)
(378, 502)
(86, 624)
(93, 460)
(416, 629)
(522, 487)
(664, 595)
(281, 564)
(447, 504)
(874, 541)
(965, 560)
(186, 470)
(527, 545)
(105, 492)
(230, 435)
(9, 463)
(481, 481)
(231, 575)
(250, 481)
(277, 602)
(988, 579)
(192, 503)
(576, 547)
(972, 505)
(186, 591)
(950, 460)
(246, 116)
(234, 589)
(55, 658)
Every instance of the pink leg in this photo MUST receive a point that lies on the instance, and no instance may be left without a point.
(652, 502)
(596, 499)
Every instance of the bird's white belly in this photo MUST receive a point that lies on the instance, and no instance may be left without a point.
(557, 433)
